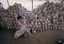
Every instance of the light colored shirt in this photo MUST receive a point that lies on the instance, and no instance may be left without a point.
(24, 24)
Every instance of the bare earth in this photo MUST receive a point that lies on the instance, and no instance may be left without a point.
(45, 37)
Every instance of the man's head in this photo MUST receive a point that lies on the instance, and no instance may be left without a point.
(19, 18)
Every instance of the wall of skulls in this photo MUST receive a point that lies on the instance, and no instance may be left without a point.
(8, 17)
(48, 16)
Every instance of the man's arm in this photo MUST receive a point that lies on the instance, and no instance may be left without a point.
(27, 22)
(18, 27)
(28, 25)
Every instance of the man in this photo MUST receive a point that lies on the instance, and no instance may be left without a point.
(23, 26)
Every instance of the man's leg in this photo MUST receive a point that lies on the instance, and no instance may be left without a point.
(16, 35)
(28, 31)
(19, 32)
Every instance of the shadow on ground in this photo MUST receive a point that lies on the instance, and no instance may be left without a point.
(45, 37)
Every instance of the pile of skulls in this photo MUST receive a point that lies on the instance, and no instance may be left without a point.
(49, 16)
(9, 16)
(2, 12)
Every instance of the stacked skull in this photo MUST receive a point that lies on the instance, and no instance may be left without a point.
(45, 17)
(50, 15)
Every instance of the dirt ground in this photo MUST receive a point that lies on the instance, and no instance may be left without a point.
(45, 37)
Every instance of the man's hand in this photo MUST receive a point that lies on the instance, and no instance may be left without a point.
(18, 27)
(28, 26)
